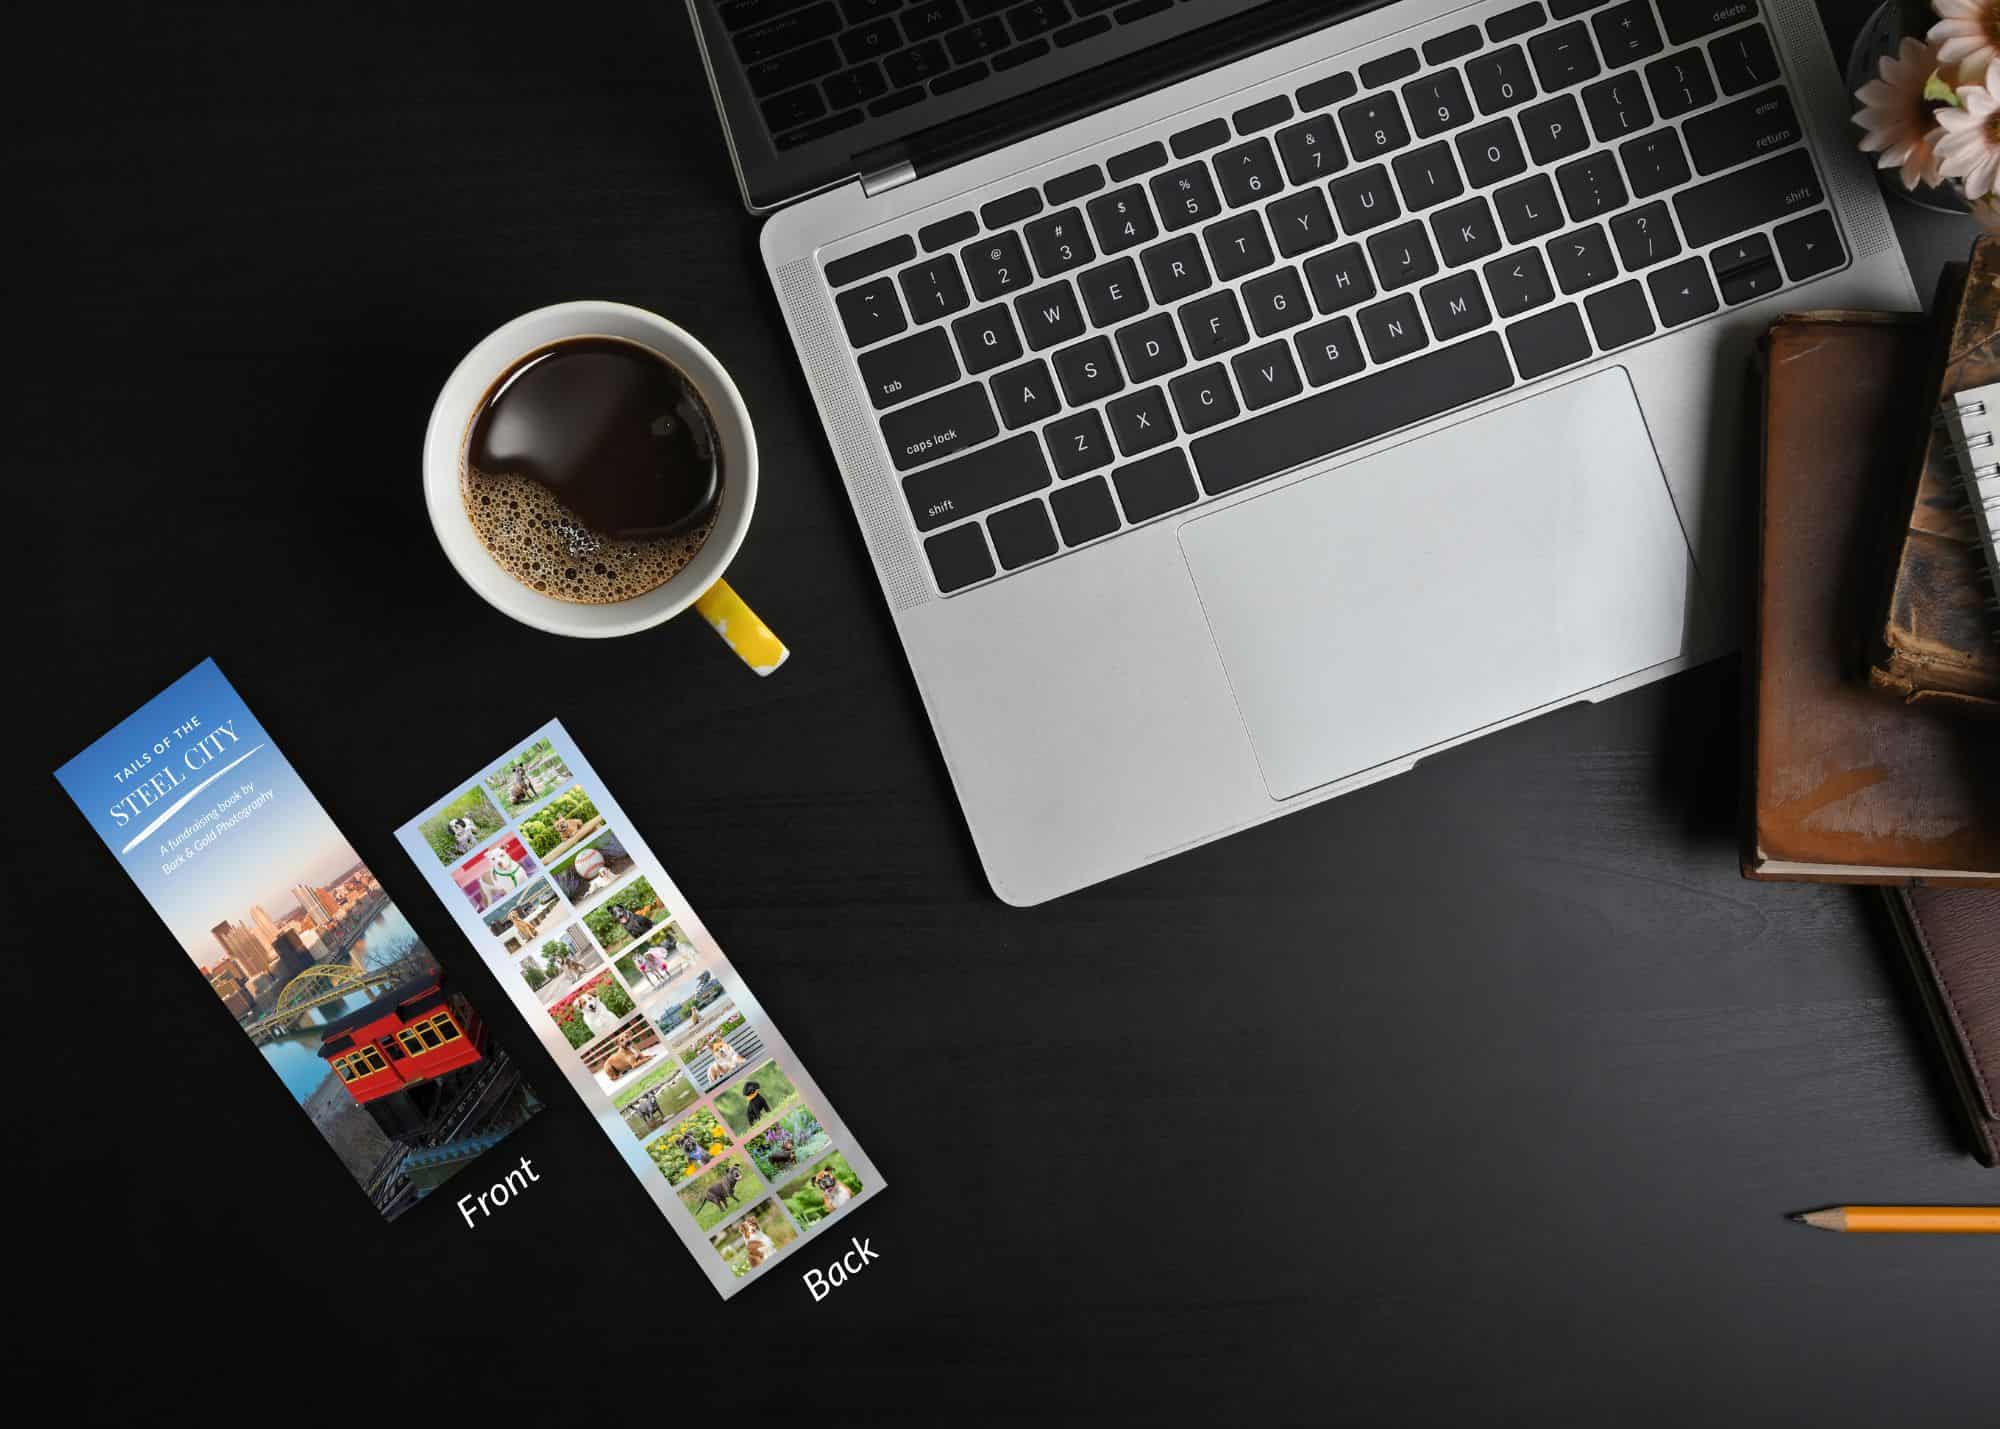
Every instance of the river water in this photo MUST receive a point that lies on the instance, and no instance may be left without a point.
(387, 937)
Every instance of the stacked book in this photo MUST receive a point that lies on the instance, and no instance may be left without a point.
(1873, 659)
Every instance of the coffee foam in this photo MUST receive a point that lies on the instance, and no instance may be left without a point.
(541, 543)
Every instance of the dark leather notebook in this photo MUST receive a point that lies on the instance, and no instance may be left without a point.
(1953, 939)
(1935, 646)
(1848, 787)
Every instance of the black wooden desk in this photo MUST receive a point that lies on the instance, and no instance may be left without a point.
(1476, 1097)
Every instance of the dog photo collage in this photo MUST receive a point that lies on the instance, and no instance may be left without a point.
(707, 1104)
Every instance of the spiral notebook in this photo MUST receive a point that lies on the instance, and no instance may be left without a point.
(1972, 417)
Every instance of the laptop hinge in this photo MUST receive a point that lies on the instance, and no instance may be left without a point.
(890, 176)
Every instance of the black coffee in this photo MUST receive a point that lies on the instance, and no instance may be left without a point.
(591, 470)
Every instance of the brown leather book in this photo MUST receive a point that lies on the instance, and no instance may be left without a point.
(1847, 787)
(1953, 939)
(1935, 646)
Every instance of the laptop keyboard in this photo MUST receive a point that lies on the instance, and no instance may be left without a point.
(820, 66)
(1312, 271)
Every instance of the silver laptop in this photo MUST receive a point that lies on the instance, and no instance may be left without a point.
(1244, 402)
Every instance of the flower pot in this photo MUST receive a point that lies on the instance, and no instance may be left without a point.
(1881, 36)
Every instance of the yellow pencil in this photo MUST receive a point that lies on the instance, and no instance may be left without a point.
(1932, 1219)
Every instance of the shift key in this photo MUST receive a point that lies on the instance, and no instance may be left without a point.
(933, 429)
(977, 481)
(1748, 198)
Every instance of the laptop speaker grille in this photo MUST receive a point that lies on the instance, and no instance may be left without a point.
(1821, 94)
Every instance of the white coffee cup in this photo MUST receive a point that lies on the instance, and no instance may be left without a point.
(700, 581)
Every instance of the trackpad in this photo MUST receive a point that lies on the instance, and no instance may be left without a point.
(1509, 563)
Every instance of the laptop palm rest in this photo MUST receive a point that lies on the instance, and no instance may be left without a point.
(1508, 564)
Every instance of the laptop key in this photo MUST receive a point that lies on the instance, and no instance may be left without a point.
(798, 66)
(1512, 24)
(1392, 328)
(1554, 129)
(1206, 135)
(1276, 302)
(1591, 186)
(870, 313)
(1389, 68)
(1139, 420)
(1465, 232)
(1528, 209)
(959, 558)
(934, 289)
(1810, 246)
(1617, 107)
(1237, 246)
(1374, 126)
(1112, 292)
(1155, 486)
(1490, 153)
(855, 86)
(1340, 279)
(1059, 242)
(1519, 283)
(1175, 269)
(1582, 259)
(917, 65)
(1741, 130)
(1354, 412)
(787, 32)
(1654, 162)
(1077, 184)
(1456, 306)
(1501, 80)
(869, 261)
(1626, 34)
(1691, 19)
(1547, 341)
(1748, 198)
(1301, 222)
(976, 41)
(1248, 172)
(1682, 292)
(1025, 394)
(1330, 351)
(1203, 398)
(1365, 199)
(978, 481)
(1311, 151)
(1564, 56)
(938, 427)
(997, 266)
(1645, 236)
(1680, 83)
(1134, 162)
(1619, 315)
(1437, 103)
(1050, 315)
(1743, 60)
(1078, 444)
(1152, 348)
(1427, 177)
(1213, 325)
(1403, 255)
(1088, 371)
(1021, 534)
(919, 363)
(1085, 511)
(1122, 219)
(1265, 375)
(1185, 195)
(929, 17)
(987, 338)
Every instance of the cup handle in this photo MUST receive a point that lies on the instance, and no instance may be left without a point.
(740, 628)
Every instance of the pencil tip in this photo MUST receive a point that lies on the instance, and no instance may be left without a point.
(1799, 1216)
